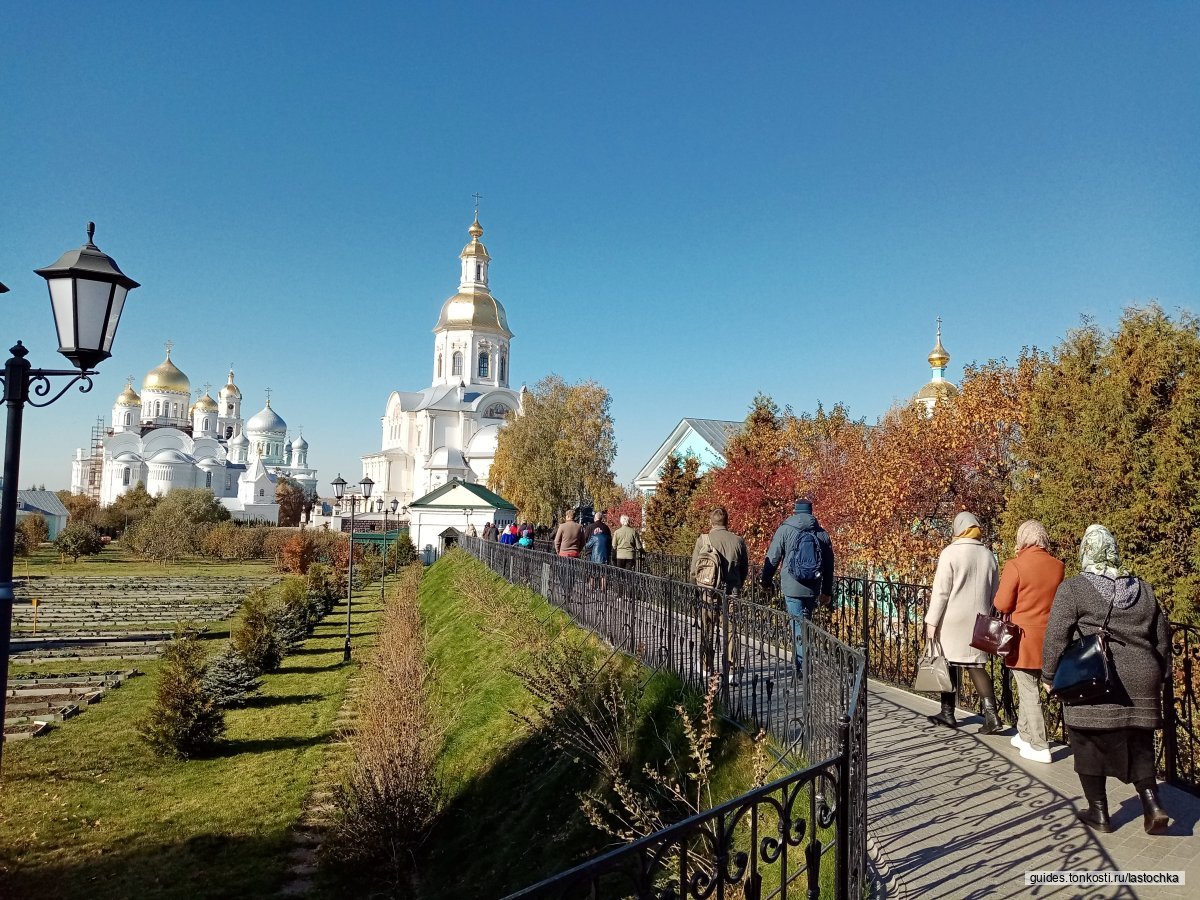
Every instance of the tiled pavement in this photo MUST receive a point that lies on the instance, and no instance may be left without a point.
(958, 815)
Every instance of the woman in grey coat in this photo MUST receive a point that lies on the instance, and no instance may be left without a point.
(1114, 739)
(963, 587)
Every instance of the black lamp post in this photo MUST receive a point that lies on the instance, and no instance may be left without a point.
(339, 490)
(87, 296)
(394, 506)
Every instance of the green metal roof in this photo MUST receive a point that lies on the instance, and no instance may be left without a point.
(487, 498)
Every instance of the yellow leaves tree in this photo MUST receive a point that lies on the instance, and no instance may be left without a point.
(558, 452)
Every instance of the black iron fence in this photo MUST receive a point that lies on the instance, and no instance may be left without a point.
(888, 619)
(789, 832)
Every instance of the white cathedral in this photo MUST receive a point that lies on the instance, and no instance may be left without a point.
(164, 441)
(449, 429)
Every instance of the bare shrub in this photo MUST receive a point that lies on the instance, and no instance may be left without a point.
(391, 796)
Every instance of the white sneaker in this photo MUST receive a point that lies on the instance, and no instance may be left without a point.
(1018, 741)
(1041, 756)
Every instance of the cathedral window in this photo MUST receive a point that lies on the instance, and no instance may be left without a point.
(208, 479)
(125, 477)
(479, 271)
(157, 408)
(261, 492)
(456, 364)
(228, 431)
(439, 374)
(206, 424)
(228, 482)
(503, 367)
(128, 418)
(483, 364)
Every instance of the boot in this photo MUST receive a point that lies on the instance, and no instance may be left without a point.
(1096, 816)
(946, 716)
(1155, 816)
(991, 721)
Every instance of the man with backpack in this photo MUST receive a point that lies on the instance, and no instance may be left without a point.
(803, 555)
(719, 563)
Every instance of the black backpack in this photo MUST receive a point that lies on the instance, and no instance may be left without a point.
(804, 562)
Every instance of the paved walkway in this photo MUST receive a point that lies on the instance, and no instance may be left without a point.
(958, 815)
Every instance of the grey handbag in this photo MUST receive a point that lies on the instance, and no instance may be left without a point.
(933, 672)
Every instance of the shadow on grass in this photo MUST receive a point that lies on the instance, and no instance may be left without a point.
(200, 867)
(266, 745)
(280, 700)
(292, 670)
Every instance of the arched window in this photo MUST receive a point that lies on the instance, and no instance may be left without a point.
(495, 411)
(207, 423)
(261, 492)
(228, 431)
(174, 410)
(456, 364)
(125, 477)
(157, 408)
(503, 367)
(228, 482)
(483, 364)
(439, 375)
(208, 479)
(128, 418)
(479, 271)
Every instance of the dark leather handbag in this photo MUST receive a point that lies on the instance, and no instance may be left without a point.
(1085, 671)
(998, 636)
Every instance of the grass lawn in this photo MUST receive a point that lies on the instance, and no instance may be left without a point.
(88, 811)
(512, 812)
(115, 560)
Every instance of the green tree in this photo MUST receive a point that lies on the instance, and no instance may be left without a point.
(1113, 436)
(290, 497)
(184, 721)
(177, 525)
(78, 539)
(255, 634)
(129, 509)
(669, 528)
(229, 680)
(559, 451)
(402, 552)
(35, 529)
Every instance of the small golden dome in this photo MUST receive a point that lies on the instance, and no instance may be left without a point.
(128, 397)
(475, 248)
(231, 389)
(476, 309)
(167, 377)
(206, 404)
(938, 357)
(476, 230)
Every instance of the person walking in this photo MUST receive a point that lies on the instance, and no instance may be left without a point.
(963, 586)
(803, 555)
(733, 563)
(1113, 739)
(509, 535)
(1028, 582)
(627, 543)
(526, 538)
(568, 538)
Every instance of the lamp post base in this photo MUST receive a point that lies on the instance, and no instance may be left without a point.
(346, 651)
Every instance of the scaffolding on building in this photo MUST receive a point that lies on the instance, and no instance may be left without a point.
(96, 455)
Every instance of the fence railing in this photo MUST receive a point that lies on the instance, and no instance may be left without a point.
(888, 619)
(776, 835)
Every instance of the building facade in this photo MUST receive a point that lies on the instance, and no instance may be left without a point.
(449, 430)
(164, 441)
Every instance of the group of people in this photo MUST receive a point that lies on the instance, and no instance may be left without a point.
(1109, 739)
(597, 542)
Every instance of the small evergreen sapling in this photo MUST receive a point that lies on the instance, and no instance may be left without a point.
(184, 720)
(229, 679)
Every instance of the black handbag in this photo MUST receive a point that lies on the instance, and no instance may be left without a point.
(1085, 670)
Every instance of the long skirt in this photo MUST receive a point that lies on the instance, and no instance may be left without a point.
(1126, 754)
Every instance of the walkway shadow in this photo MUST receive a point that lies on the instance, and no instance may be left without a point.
(280, 700)
(292, 670)
(266, 745)
(952, 818)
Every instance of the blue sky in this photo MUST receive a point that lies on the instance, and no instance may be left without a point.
(688, 203)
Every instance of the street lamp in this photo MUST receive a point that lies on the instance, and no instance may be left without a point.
(87, 296)
(339, 490)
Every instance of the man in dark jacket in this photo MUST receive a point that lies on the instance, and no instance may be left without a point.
(735, 563)
(801, 596)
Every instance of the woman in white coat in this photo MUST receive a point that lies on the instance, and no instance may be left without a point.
(963, 587)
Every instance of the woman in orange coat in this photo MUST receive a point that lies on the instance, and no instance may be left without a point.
(1026, 590)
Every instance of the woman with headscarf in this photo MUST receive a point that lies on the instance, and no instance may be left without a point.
(1027, 585)
(963, 586)
(1114, 739)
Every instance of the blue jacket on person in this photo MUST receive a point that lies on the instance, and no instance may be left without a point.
(782, 544)
(599, 546)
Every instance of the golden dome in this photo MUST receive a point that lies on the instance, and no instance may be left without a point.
(231, 389)
(206, 404)
(128, 397)
(475, 248)
(167, 377)
(938, 390)
(475, 309)
(938, 357)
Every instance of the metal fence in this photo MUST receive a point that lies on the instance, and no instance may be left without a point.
(888, 619)
(776, 836)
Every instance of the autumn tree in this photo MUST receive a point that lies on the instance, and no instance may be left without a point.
(669, 527)
(290, 497)
(128, 509)
(1112, 437)
(629, 502)
(81, 508)
(35, 529)
(558, 452)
